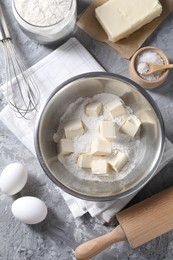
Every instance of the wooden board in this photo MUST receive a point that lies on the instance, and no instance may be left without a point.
(128, 46)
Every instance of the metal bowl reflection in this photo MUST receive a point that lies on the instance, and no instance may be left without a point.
(152, 135)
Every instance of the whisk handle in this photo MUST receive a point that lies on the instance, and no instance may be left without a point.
(4, 32)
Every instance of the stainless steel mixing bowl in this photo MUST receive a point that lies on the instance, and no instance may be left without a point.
(152, 135)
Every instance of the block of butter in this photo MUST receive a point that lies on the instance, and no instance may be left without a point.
(131, 126)
(99, 167)
(107, 129)
(73, 128)
(93, 109)
(116, 107)
(118, 161)
(101, 146)
(66, 146)
(84, 160)
(120, 18)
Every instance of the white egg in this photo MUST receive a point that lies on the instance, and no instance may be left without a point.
(29, 210)
(13, 178)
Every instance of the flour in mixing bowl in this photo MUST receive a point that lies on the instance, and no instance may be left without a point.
(43, 12)
(82, 144)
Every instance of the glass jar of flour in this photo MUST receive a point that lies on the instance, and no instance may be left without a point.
(46, 21)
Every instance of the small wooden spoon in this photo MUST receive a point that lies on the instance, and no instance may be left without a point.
(152, 67)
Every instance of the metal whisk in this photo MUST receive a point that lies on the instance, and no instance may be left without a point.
(22, 93)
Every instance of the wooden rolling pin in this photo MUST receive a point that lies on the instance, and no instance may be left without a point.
(139, 224)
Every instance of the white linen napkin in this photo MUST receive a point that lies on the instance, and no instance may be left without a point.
(69, 60)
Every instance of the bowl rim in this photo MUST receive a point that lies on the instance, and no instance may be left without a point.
(139, 184)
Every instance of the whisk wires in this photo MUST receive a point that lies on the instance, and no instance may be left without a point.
(22, 93)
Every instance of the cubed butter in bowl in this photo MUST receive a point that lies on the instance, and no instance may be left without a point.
(102, 164)
(120, 18)
(73, 128)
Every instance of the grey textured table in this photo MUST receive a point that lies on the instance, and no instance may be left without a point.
(58, 236)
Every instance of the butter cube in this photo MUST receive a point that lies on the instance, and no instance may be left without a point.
(93, 109)
(131, 126)
(73, 128)
(101, 146)
(66, 146)
(118, 161)
(107, 129)
(120, 18)
(116, 107)
(99, 167)
(84, 161)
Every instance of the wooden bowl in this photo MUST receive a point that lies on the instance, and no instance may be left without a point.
(135, 76)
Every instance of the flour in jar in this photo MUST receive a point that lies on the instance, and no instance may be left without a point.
(43, 12)
(82, 144)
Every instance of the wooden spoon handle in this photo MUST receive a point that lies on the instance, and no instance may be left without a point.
(167, 66)
(155, 67)
(93, 247)
(162, 66)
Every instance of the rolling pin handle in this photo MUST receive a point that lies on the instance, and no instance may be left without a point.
(93, 247)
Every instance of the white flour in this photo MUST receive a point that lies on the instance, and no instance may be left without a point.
(82, 143)
(43, 12)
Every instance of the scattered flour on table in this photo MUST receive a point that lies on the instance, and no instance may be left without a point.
(82, 144)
